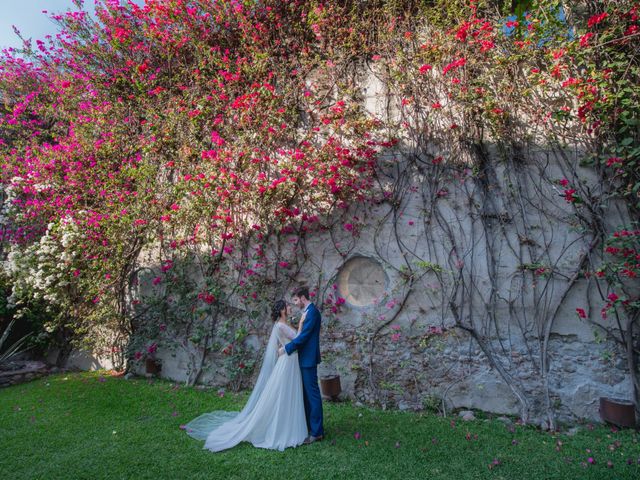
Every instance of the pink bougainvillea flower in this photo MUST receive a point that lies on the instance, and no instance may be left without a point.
(581, 313)
(424, 68)
(217, 139)
(206, 297)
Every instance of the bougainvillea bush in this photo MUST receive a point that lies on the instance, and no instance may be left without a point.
(209, 139)
(190, 126)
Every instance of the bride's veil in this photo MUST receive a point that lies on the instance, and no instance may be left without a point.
(200, 427)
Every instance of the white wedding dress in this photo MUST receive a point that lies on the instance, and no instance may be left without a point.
(274, 414)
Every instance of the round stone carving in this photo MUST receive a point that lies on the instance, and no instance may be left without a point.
(362, 282)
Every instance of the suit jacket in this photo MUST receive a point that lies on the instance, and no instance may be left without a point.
(307, 343)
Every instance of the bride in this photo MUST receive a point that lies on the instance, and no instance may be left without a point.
(274, 414)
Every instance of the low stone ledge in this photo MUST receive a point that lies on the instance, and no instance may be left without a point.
(27, 371)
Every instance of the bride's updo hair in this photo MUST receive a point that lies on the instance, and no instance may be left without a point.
(278, 306)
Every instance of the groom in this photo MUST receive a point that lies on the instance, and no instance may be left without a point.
(307, 343)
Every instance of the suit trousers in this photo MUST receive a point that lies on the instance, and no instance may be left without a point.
(312, 400)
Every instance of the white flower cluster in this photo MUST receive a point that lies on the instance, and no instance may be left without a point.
(43, 270)
(8, 209)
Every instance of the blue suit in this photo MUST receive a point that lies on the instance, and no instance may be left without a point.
(307, 343)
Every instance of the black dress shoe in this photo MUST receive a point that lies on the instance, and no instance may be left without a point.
(311, 439)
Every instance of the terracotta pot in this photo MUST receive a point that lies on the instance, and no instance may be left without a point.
(618, 412)
(330, 387)
(153, 366)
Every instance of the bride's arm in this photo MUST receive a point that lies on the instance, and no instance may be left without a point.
(288, 333)
(285, 334)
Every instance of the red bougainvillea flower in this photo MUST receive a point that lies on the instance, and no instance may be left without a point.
(569, 195)
(596, 19)
(584, 39)
(454, 65)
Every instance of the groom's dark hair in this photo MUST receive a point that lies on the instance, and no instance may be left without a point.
(301, 292)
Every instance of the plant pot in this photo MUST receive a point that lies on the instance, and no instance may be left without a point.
(618, 412)
(152, 366)
(331, 387)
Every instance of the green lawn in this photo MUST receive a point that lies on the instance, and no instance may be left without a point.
(91, 426)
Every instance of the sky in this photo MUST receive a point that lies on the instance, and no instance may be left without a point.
(28, 17)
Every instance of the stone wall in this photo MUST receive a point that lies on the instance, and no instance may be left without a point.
(395, 338)
(458, 286)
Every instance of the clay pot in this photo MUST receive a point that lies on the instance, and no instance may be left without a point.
(331, 387)
(152, 366)
(618, 412)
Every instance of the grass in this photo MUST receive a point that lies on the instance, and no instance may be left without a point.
(90, 426)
